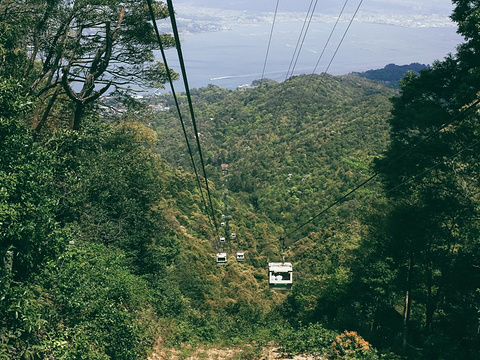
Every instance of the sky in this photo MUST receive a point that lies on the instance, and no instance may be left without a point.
(434, 6)
(222, 14)
(224, 41)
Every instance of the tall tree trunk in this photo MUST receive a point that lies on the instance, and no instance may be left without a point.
(407, 308)
(77, 116)
(38, 124)
(430, 305)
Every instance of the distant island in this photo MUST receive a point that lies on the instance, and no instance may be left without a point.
(391, 74)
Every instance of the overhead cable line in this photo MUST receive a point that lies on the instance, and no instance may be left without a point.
(326, 43)
(336, 202)
(300, 41)
(388, 191)
(433, 167)
(270, 39)
(177, 105)
(409, 150)
(343, 37)
(371, 177)
(330, 36)
(190, 104)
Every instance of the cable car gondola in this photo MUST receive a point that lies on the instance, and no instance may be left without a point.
(240, 256)
(280, 275)
(221, 258)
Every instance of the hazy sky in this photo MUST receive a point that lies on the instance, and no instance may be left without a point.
(224, 41)
(436, 6)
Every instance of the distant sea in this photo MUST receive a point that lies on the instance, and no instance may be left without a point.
(236, 56)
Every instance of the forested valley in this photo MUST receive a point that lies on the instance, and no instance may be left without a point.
(109, 235)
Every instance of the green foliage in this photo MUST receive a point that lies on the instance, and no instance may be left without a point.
(28, 200)
(11, 104)
(84, 305)
(311, 339)
(61, 53)
(100, 308)
(108, 200)
(313, 122)
(320, 342)
(435, 122)
(12, 51)
(391, 74)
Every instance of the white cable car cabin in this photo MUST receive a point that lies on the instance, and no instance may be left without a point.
(221, 258)
(233, 235)
(240, 256)
(280, 275)
(222, 239)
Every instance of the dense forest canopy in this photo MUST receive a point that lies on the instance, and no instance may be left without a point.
(283, 142)
(391, 74)
(108, 252)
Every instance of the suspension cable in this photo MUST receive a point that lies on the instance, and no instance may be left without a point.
(343, 37)
(190, 104)
(409, 150)
(270, 39)
(386, 192)
(330, 36)
(293, 62)
(432, 167)
(170, 80)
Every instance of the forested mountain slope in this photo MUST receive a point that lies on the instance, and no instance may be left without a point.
(292, 148)
(391, 74)
(107, 250)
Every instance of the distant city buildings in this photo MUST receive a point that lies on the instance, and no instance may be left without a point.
(245, 87)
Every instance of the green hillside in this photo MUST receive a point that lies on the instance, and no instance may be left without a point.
(137, 225)
(108, 238)
(292, 148)
(286, 165)
(391, 74)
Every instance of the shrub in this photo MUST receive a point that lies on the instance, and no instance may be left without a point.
(312, 339)
(350, 345)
